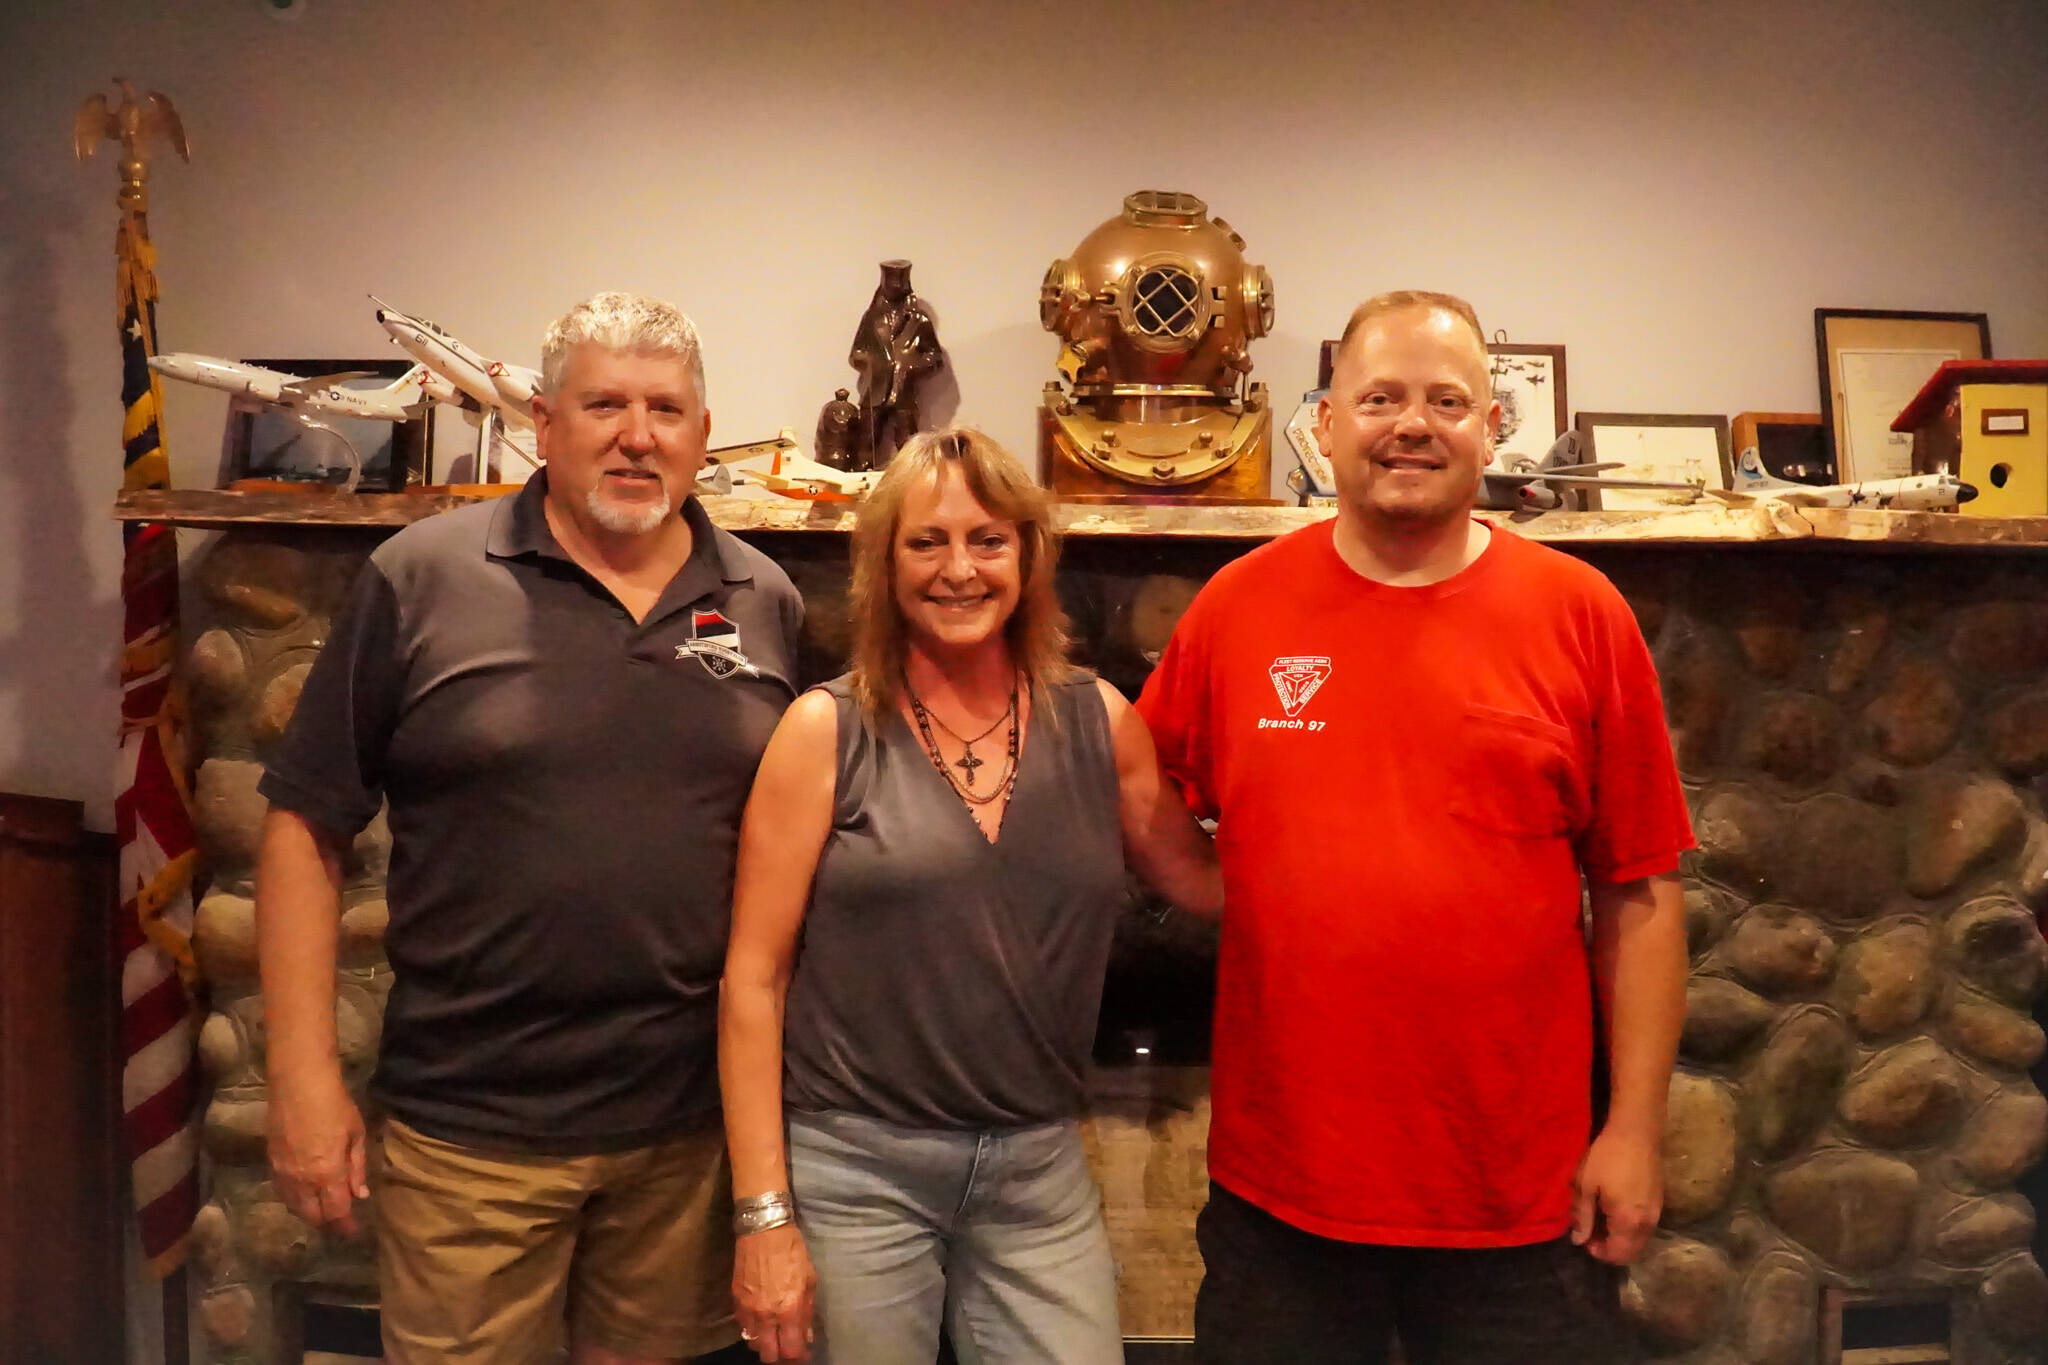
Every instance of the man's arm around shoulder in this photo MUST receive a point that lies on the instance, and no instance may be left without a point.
(315, 1131)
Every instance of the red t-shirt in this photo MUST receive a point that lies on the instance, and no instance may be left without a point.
(1409, 782)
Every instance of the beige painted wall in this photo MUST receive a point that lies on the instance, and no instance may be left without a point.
(1668, 190)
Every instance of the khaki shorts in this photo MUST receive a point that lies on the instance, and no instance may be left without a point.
(485, 1256)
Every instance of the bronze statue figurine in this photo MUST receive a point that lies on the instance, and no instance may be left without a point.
(895, 351)
(838, 430)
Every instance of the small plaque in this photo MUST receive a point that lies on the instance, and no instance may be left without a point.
(2005, 422)
(1301, 435)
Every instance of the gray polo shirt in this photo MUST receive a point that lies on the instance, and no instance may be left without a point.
(565, 788)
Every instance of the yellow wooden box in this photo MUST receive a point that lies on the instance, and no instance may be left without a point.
(1987, 421)
(2004, 433)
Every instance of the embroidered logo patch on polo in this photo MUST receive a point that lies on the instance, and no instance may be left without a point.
(1297, 677)
(715, 643)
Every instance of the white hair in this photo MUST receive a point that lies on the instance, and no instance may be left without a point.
(626, 520)
(621, 322)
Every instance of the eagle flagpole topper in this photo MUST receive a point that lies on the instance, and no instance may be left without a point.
(152, 804)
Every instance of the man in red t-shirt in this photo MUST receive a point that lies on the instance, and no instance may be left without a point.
(1429, 745)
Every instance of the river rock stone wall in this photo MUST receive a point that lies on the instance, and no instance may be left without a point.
(1864, 739)
(258, 612)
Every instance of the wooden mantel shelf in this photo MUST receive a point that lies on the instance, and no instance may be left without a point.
(1697, 525)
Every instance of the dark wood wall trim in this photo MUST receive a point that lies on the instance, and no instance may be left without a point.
(61, 1273)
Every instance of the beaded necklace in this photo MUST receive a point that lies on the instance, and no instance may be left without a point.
(967, 762)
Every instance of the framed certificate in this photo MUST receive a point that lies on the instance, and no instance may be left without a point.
(1654, 447)
(1872, 363)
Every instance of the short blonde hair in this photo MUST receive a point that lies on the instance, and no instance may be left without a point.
(1402, 300)
(1037, 629)
(619, 321)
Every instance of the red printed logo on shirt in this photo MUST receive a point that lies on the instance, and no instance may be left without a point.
(716, 645)
(1297, 677)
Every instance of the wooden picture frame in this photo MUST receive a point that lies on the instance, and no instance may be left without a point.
(1669, 447)
(1530, 422)
(1529, 384)
(1791, 445)
(1872, 362)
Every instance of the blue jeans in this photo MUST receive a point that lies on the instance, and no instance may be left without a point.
(997, 1236)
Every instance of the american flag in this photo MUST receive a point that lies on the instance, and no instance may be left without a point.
(153, 812)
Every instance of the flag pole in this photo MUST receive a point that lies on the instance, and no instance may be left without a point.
(152, 806)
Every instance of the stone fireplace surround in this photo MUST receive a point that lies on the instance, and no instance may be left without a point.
(1861, 719)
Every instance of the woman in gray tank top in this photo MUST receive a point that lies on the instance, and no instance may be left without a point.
(930, 867)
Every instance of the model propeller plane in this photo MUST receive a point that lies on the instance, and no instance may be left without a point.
(1540, 486)
(1942, 492)
(780, 467)
(1542, 489)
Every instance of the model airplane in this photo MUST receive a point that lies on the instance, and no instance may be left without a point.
(490, 393)
(403, 399)
(780, 467)
(504, 389)
(1540, 486)
(1541, 489)
(1918, 493)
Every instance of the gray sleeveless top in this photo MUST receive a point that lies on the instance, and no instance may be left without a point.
(943, 981)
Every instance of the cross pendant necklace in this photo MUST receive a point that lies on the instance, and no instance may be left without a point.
(967, 763)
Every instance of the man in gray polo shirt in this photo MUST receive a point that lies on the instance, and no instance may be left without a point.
(562, 696)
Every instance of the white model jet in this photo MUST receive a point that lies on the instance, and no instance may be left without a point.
(401, 400)
(1918, 493)
(494, 396)
(504, 389)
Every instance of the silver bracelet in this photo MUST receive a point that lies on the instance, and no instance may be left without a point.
(760, 1212)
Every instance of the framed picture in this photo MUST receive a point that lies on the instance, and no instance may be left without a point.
(1659, 447)
(1872, 363)
(263, 441)
(1528, 381)
(1792, 445)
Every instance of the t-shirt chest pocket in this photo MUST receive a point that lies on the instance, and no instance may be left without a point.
(1514, 774)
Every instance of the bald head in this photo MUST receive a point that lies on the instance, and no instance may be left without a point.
(1449, 311)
